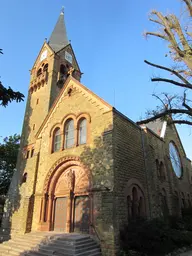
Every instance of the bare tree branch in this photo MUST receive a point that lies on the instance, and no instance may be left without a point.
(169, 70)
(165, 113)
(156, 21)
(156, 96)
(181, 122)
(157, 34)
(185, 104)
(158, 79)
(177, 32)
(189, 6)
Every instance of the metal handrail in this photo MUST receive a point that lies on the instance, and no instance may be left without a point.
(93, 226)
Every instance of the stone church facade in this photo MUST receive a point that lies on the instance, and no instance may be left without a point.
(85, 167)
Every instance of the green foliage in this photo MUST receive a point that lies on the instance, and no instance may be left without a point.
(8, 95)
(154, 237)
(8, 158)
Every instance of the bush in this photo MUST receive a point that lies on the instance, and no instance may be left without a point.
(153, 237)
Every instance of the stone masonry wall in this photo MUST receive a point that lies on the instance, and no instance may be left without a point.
(96, 155)
(128, 164)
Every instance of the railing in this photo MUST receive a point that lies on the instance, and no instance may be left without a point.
(93, 226)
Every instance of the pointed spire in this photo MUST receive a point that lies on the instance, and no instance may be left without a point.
(58, 38)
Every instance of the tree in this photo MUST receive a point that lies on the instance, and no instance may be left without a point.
(8, 158)
(8, 95)
(177, 33)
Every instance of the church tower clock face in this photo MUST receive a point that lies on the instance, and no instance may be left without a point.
(43, 55)
(175, 159)
(68, 57)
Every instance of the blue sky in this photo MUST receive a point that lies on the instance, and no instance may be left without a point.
(107, 37)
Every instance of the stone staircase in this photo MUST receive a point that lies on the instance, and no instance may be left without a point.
(49, 244)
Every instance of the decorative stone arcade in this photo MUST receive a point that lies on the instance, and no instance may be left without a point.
(67, 202)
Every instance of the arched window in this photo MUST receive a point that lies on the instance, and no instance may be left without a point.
(189, 201)
(63, 73)
(69, 133)
(39, 72)
(164, 207)
(129, 207)
(157, 167)
(141, 207)
(135, 203)
(162, 171)
(56, 140)
(63, 69)
(45, 68)
(176, 204)
(183, 200)
(82, 133)
(24, 178)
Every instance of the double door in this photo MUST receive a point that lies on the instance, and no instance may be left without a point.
(76, 211)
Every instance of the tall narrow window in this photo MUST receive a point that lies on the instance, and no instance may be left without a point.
(56, 140)
(129, 207)
(157, 167)
(183, 200)
(140, 208)
(82, 131)
(69, 133)
(45, 69)
(28, 152)
(39, 72)
(63, 72)
(134, 204)
(164, 206)
(176, 204)
(32, 152)
(162, 171)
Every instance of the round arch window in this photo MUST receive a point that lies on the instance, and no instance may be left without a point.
(175, 159)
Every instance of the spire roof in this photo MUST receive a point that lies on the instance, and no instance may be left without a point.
(58, 38)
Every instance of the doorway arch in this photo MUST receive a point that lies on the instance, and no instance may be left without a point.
(67, 202)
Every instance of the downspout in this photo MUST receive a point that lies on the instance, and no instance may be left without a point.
(145, 167)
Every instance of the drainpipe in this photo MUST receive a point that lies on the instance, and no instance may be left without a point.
(143, 128)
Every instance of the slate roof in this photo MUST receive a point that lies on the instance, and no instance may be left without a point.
(58, 38)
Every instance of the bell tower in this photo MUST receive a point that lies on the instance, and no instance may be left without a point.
(55, 62)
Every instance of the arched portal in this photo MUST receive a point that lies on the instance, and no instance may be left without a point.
(66, 202)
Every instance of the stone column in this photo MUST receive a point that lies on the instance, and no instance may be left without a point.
(43, 208)
(69, 211)
(50, 207)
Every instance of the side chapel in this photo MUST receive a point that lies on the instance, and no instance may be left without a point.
(85, 167)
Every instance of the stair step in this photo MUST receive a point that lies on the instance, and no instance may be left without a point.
(47, 243)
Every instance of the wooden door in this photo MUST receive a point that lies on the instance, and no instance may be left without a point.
(60, 214)
(81, 214)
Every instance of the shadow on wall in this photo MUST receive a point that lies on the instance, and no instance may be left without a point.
(13, 197)
(99, 160)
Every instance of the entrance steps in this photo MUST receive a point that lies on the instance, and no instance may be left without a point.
(50, 244)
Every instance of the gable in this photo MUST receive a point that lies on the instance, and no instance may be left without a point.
(171, 134)
(46, 51)
(80, 99)
(158, 127)
(69, 50)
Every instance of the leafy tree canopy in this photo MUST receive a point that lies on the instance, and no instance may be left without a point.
(8, 158)
(7, 95)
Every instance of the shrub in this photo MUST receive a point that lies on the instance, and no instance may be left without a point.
(153, 237)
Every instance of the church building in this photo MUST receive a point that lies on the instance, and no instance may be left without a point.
(83, 166)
